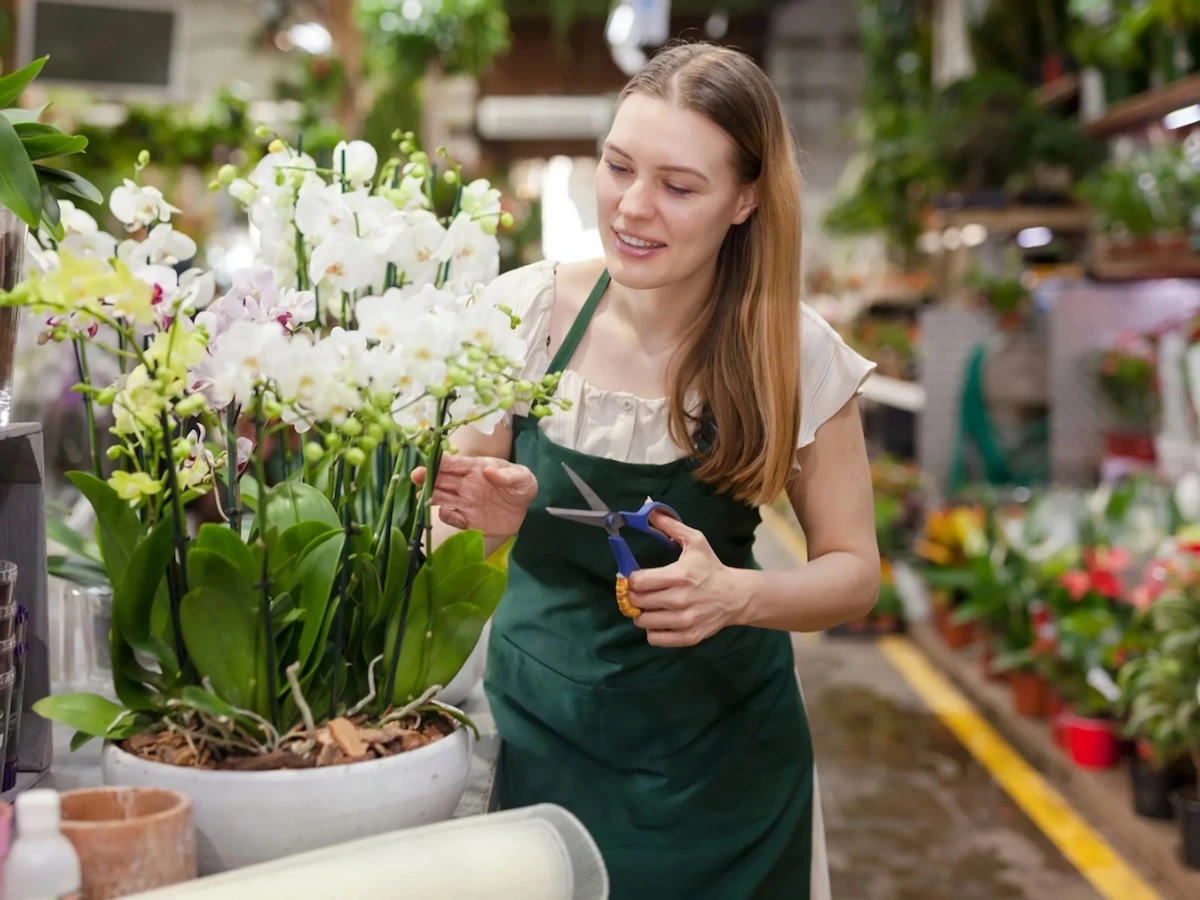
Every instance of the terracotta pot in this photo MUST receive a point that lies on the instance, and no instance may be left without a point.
(958, 635)
(1028, 694)
(130, 839)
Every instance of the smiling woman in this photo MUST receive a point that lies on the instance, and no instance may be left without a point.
(668, 718)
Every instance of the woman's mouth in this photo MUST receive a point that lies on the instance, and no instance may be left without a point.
(632, 245)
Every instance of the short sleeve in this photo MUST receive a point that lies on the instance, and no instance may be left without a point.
(831, 373)
(529, 292)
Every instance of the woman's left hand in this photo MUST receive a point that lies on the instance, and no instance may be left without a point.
(689, 600)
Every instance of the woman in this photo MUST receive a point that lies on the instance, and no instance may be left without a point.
(678, 737)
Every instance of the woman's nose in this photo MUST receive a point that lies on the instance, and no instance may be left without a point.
(636, 201)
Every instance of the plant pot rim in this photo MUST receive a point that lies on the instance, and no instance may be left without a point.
(460, 732)
(1186, 798)
(1073, 718)
(181, 802)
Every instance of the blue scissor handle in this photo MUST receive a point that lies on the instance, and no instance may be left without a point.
(641, 519)
(626, 564)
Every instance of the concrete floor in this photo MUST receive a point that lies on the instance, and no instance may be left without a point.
(909, 813)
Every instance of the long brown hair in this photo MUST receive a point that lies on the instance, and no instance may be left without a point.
(743, 353)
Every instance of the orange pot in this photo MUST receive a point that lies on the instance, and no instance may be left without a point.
(1028, 694)
(130, 839)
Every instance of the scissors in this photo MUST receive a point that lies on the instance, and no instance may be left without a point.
(613, 521)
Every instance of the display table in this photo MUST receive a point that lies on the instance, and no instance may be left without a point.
(82, 768)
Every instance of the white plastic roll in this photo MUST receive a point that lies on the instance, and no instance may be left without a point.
(536, 853)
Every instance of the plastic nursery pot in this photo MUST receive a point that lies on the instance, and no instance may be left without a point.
(1187, 805)
(1152, 787)
(1028, 694)
(1093, 742)
(130, 839)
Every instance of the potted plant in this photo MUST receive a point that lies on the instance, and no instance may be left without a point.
(1091, 643)
(1127, 377)
(288, 657)
(30, 190)
(1160, 691)
(952, 539)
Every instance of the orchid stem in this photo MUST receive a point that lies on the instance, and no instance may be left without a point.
(181, 582)
(89, 409)
(265, 583)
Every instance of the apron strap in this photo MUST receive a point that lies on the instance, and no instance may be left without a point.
(567, 349)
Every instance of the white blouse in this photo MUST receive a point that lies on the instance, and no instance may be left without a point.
(627, 428)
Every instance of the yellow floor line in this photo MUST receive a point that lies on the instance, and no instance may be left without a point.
(1093, 856)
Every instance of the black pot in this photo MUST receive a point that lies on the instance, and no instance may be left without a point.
(1187, 805)
(1152, 789)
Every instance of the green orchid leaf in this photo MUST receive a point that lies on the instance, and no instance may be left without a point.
(118, 530)
(289, 504)
(222, 540)
(313, 589)
(89, 714)
(17, 116)
(60, 532)
(46, 142)
(65, 182)
(13, 84)
(223, 633)
(20, 190)
(134, 595)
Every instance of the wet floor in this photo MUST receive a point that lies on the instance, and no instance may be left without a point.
(909, 813)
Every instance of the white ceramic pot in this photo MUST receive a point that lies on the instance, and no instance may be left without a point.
(243, 818)
(471, 673)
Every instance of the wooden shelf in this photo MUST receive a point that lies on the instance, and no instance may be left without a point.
(1010, 219)
(1128, 115)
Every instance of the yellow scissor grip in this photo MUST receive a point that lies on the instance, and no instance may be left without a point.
(623, 604)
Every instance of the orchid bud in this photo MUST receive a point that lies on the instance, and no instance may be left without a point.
(190, 405)
(113, 452)
(368, 444)
(106, 396)
(313, 452)
(226, 174)
(506, 219)
(276, 146)
(352, 427)
(143, 159)
(355, 457)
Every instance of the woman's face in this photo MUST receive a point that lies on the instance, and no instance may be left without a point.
(666, 193)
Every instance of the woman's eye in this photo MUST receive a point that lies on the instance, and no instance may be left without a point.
(617, 170)
(678, 191)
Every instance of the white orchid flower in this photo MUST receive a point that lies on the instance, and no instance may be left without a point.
(139, 205)
(473, 254)
(345, 263)
(357, 161)
(321, 210)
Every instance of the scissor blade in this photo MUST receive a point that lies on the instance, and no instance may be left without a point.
(592, 498)
(583, 516)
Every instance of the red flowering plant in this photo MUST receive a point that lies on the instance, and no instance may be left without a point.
(1083, 634)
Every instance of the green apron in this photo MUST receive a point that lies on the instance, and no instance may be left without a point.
(691, 768)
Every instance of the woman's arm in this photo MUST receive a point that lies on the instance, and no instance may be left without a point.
(834, 501)
(695, 597)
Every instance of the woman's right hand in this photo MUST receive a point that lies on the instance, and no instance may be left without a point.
(481, 492)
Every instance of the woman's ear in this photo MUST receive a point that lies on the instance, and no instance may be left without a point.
(747, 203)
